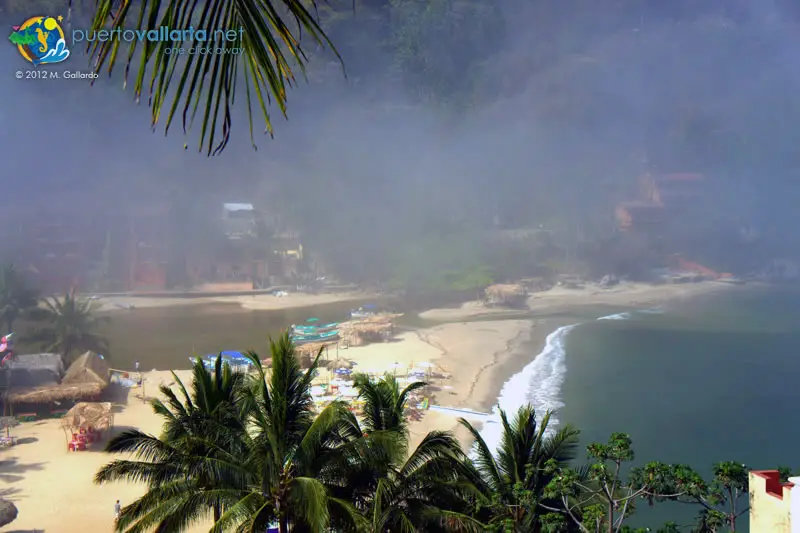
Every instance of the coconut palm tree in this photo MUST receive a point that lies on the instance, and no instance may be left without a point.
(245, 452)
(395, 490)
(70, 326)
(288, 452)
(16, 295)
(180, 466)
(262, 49)
(511, 483)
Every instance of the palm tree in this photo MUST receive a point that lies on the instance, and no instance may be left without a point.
(180, 467)
(287, 452)
(511, 484)
(266, 32)
(71, 325)
(246, 452)
(16, 295)
(396, 491)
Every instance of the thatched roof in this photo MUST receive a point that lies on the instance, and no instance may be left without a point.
(88, 414)
(312, 348)
(35, 370)
(340, 363)
(85, 379)
(88, 368)
(505, 291)
(8, 512)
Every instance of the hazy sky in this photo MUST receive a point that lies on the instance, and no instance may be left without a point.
(567, 111)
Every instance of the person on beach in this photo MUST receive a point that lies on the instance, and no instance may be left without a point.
(117, 509)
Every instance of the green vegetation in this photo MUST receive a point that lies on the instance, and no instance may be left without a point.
(17, 296)
(268, 35)
(247, 452)
(69, 325)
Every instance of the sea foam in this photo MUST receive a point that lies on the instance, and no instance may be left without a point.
(539, 383)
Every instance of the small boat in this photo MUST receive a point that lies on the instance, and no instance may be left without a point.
(365, 311)
(307, 329)
(319, 337)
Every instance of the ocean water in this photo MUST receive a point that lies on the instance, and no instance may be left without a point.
(701, 380)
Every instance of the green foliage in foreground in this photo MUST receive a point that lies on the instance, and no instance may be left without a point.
(246, 452)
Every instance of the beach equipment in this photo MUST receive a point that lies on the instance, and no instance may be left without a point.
(232, 357)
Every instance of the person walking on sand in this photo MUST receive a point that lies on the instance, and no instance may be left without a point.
(117, 509)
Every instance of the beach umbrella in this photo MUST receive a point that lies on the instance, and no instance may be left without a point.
(341, 363)
(8, 512)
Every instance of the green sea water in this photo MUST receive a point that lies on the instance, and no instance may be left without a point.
(708, 379)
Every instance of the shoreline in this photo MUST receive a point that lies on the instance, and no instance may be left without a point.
(549, 312)
(246, 302)
(479, 353)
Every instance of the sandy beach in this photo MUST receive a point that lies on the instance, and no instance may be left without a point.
(53, 488)
(255, 302)
(559, 299)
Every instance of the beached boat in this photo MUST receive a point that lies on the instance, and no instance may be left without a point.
(308, 329)
(365, 311)
(319, 337)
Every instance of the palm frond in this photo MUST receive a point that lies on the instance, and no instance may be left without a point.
(260, 40)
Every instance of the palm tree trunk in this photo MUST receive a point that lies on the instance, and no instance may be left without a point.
(217, 512)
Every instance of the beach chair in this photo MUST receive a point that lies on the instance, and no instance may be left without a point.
(76, 445)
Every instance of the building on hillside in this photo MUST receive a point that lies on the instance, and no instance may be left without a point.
(774, 506)
(663, 201)
(146, 261)
(239, 221)
(253, 252)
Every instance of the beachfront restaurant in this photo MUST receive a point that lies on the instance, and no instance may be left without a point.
(36, 387)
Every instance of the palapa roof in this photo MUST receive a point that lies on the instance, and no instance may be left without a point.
(505, 290)
(86, 378)
(373, 324)
(35, 370)
(312, 348)
(97, 415)
(88, 368)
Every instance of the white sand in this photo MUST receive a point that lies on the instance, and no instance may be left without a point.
(559, 298)
(53, 488)
(253, 302)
